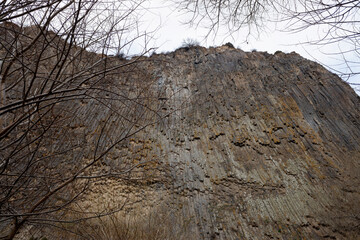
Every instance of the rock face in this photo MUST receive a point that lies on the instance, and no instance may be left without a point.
(246, 146)
(256, 146)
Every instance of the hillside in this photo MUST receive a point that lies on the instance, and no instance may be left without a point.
(224, 144)
(256, 146)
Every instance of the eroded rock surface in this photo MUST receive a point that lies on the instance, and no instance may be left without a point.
(256, 146)
(246, 146)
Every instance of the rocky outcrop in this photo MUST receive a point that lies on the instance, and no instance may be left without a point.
(231, 145)
(255, 146)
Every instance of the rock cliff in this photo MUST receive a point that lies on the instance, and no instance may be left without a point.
(255, 146)
(239, 146)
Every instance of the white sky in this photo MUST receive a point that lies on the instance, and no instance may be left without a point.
(171, 32)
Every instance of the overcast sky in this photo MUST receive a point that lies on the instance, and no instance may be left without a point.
(171, 32)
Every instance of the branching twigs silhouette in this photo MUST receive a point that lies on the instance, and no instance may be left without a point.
(50, 84)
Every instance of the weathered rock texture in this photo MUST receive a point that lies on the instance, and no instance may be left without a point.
(257, 146)
(254, 146)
